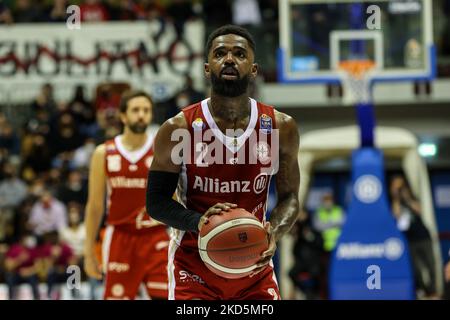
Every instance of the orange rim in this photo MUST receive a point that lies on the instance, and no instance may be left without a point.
(357, 68)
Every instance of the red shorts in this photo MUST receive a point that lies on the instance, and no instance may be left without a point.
(190, 279)
(132, 257)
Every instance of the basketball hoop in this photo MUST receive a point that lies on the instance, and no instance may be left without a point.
(356, 80)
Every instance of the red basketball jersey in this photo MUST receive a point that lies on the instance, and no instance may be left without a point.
(231, 167)
(127, 173)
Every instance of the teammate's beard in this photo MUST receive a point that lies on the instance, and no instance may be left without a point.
(229, 88)
(138, 127)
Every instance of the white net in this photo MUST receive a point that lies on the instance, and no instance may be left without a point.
(356, 80)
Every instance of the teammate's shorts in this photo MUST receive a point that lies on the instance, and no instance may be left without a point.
(190, 279)
(135, 257)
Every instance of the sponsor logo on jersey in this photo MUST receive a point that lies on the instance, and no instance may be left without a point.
(260, 182)
(261, 150)
(215, 185)
(198, 124)
(259, 206)
(118, 267)
(187, 277)
(124, 182)
(265, 123)
(206, 184)
(117, 290)
(114, 162)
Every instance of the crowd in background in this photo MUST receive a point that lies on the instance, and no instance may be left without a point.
(260, 16)
(43, 178)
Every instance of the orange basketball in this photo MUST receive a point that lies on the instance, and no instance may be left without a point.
(231, 243)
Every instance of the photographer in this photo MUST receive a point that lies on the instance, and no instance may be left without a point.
(407, 211)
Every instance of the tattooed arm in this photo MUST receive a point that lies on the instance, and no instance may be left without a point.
(287, 209)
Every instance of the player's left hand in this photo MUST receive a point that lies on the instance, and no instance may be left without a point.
(267, 255)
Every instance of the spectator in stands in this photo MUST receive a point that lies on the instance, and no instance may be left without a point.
(57, 11)
(5, 13)
(37, 188)
(269, 10)
(82, 155)
(188, 94)
(305, 274)
(62, 166)
(47, 214)
(328, 220)
(107, 99)
(20, 266)
(83, 111)
(407, 211)
(216, 13)
(27, 11)
(74, 234)
(150, 10)
(37, 157)
(54, 179)
(123, 10)
(445, 43)
(39, 123)
(93, 11)
(45, 99)
(8, 138)
(55, 257)
(180, 11)
(111, 125)
(21, 218)
(12, 192)
(3, 119)
(447, 280)
(74, 189)
(65, 136)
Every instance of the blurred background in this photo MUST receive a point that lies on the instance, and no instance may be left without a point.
(59, 93)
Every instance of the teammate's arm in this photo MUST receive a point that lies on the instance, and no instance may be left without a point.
(94, 210)
(286, 211)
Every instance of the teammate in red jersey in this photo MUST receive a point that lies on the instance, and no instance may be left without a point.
(235, 146)
(135, 246)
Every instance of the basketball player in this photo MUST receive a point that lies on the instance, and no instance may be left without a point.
(207, 188)
(134, 246)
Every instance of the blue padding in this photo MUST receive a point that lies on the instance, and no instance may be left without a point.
(370, 238)
(366, 121)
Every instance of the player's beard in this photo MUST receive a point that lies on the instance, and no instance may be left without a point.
(138, 127)
(229, 88)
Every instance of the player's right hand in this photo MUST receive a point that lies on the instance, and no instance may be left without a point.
(92, 267)
(215, 209)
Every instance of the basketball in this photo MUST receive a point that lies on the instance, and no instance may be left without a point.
(231, 243)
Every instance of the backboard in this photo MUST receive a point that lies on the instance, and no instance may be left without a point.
(318, 36)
